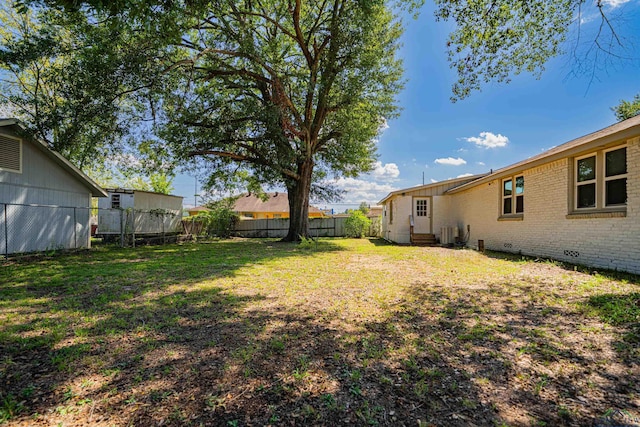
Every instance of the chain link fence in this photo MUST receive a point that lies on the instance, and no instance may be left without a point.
(28, 228)
(42, 228)
(127, 226)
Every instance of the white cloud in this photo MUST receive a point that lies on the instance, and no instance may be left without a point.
(386, 172)
(488, 140)
(451, 161)
(433, 181)
(614, 3)
(462, 150)
(358, 190)
(480, 163)
(464, 175)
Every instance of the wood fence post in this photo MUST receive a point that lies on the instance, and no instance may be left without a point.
(6, 233)
(75, 228)
(122, 228)
(133, 228)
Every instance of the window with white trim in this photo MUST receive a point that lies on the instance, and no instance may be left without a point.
(115, 201)
(513, 195)
(600, 179)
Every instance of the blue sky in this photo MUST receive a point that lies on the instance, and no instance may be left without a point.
(502, 124)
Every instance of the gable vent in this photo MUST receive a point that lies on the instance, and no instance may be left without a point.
(10, 154)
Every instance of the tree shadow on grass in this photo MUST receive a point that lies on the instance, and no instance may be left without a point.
(61, 315)
(212, 360)
(538, 363)
(212, 355)
(621, 311)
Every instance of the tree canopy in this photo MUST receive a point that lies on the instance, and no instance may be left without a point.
(66, 79)
(627, 109)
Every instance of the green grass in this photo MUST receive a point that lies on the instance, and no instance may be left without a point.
(260, 332)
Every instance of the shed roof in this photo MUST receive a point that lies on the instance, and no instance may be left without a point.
(57, 158)
(623, 130)
(133, 190)
(277, 202)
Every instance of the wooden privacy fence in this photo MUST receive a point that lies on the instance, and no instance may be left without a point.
(319, 227)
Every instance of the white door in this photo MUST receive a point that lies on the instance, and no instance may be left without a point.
(421, 215)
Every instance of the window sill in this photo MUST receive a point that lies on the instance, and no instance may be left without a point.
(621, 213)
(515, 217)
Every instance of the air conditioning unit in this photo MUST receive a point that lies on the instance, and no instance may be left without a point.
(448, 235)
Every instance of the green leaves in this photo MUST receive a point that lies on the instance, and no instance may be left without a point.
(493, 40)
(627, 109)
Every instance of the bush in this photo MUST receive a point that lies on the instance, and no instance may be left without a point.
(357, 224)
(220, 221)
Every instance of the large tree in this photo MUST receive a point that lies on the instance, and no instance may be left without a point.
(287, 91)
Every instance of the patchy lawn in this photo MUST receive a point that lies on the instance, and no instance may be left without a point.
(255, 332)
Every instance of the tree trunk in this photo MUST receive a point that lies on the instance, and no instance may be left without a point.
(299, 191)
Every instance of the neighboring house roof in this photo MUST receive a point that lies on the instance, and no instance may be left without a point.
(133, 190)
(623, 130)
(277, 202)
(57, 158)
(455, 182)
(374, 211)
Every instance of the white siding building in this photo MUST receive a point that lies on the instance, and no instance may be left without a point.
(44, 200)
(138, 211)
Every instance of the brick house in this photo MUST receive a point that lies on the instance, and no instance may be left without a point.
(578, 202)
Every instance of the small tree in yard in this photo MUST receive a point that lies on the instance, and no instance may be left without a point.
(357, 224)
(220, 221)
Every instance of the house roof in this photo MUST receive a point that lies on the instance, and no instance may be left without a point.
(620, 131)
(198, 209)
(455, 182)
(57, 158)
(277, 202)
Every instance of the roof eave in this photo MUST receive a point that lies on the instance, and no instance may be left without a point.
(473, 178)
(96, 190)
(558, 153)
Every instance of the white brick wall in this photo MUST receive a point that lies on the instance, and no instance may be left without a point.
(545, 230)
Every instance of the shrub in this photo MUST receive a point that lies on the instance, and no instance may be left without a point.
(357, 224)
(220, 221)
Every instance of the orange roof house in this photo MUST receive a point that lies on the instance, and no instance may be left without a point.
(276, 206)
(197, 209)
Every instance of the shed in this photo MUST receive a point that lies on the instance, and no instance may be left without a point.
(140, 212)
(45, 201)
